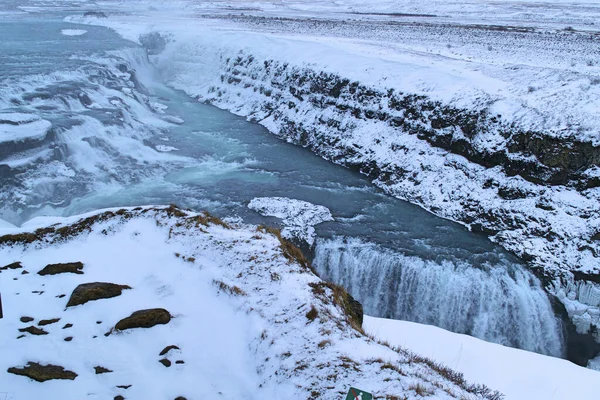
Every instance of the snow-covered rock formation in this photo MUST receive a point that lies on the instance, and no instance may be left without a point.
(299, 217)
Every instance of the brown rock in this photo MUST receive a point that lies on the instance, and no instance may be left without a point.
(53, 269)
(15, 265)
(165, 362)
(144, 319)
(34, 330)
(167, 349)
(42, 373)
(48, 321)
(101, 370)
(95, 291)
(26, 319)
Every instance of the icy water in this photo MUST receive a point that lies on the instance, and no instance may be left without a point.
(118, 137)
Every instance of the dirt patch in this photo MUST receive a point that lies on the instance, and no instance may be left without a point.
(144, 319)
(42, 373)
(95, 291)
(54, 269)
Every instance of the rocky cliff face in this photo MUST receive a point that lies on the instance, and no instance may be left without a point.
(535, 194)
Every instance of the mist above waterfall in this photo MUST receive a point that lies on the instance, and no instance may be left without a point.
(501, 303)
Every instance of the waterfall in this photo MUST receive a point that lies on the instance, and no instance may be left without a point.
(503, 303)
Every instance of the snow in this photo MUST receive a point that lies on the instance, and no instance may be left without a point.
(165, 149)
(73, 32)
(520, 375)
(239, 317)
(298, 216)
(16, 127)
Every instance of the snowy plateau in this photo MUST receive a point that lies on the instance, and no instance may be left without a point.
(484, 113)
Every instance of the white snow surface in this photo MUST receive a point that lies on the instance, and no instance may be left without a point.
(17, 127)
(298, 216)
(239, 317)
(73, 32)
(520, 375)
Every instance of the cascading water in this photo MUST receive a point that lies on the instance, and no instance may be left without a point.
(503, 303)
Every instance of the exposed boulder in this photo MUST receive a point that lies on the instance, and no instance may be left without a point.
(48, 321)
(15, 265)
(144, 319)
(26, 319)
(42, 373)
(95, 291)
(53, 269)
(101, 370)
(34, 330)
(167, 349)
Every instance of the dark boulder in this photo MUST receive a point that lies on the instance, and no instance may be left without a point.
(53, 269)
(95, 291)
(42, 373)
(15, 265)
(144, 319)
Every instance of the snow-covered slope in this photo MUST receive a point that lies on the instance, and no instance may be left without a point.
(520, 375)
(247, 315)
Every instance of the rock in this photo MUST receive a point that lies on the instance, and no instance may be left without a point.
(42, 373)
(167, 349)
(119, 397)
(144, 319)
(179, 362)
(95, 291)
(34, 330)
(60, 296)
(15, 265)
(68, 339)
(25, 272)
(48, 321)
(165, 362)
(53, 269)
(101, 370)
(180, 398)
(124, 386)
(67, 326)
(26, 319)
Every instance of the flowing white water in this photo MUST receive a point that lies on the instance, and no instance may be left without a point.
(503, 304)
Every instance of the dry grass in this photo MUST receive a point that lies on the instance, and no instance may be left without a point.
(233, 290)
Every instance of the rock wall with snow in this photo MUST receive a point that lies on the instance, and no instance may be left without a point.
(528, 191)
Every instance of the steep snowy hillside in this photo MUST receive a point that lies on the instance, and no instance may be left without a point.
(160, 303)
(490, 121)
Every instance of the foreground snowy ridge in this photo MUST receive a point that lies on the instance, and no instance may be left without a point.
(247, 316)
